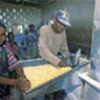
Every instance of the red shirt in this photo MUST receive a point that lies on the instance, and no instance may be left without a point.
(13, 48)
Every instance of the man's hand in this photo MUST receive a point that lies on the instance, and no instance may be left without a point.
(22, 83)
(62, 64)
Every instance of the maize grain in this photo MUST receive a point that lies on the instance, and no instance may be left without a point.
(38, 75)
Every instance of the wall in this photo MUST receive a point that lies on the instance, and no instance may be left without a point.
(12, 14)
(81, 16)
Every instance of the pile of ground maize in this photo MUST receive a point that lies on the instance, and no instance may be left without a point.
(41, 74)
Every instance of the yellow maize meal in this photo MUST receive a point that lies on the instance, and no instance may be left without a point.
(38, 75)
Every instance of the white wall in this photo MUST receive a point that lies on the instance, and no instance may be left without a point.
(11, 14)
(81, 17)
(81, 11)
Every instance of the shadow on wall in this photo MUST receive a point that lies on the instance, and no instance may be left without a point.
(79, 38)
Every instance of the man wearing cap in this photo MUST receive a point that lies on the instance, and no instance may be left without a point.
(52, 39)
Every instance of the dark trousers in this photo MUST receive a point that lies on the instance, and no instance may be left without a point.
(59, 95)
(55, 96)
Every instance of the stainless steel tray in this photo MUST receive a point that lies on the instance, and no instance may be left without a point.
(51, 85)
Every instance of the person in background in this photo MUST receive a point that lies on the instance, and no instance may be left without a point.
(52, 39)
(12, 45)
(32, 40)
(21, 41)
(9, 65)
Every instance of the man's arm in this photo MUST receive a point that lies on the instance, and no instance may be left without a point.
(21, 83)
(24, 82)
(7, 81)
(44, 50)
(19, 71)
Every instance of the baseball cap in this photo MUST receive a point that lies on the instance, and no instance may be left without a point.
(63, 17)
